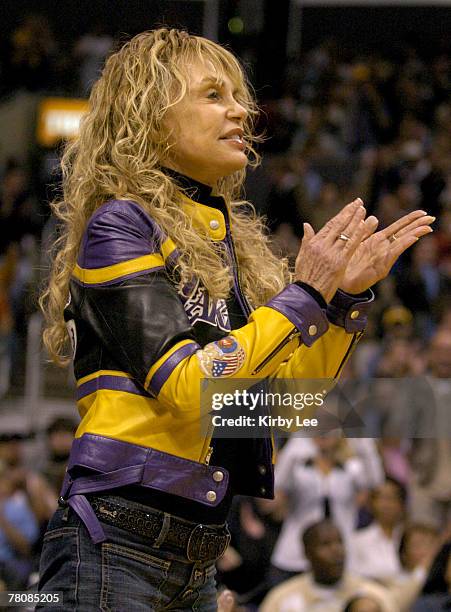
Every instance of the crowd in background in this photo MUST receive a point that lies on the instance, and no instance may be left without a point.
(352, 520)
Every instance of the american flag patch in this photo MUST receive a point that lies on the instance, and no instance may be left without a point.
(221, 358)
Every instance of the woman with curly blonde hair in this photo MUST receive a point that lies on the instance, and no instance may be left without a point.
(162, 278)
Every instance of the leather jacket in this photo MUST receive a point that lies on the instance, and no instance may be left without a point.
(141, 349)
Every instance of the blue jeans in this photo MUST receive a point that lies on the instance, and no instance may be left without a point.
(122, 574)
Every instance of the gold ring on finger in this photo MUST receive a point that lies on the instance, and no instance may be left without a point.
(344, 237)
(393, 237)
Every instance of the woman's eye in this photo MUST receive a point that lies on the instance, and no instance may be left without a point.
(213, 95)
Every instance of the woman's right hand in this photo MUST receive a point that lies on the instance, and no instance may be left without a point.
(323, 257)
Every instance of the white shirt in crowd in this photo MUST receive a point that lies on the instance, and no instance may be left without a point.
(373, 554)
(307, 488)
(303, 594)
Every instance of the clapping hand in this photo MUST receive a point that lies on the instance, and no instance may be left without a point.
(324, 256)
(376, 254)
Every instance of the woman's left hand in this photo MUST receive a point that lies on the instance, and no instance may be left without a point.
(376, 254)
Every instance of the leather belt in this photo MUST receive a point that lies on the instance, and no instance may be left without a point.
(199, 542)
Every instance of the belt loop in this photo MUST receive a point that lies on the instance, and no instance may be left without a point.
(81, 506)
(164, 531)
(67, 483)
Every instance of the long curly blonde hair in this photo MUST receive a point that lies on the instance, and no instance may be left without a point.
(119, 153)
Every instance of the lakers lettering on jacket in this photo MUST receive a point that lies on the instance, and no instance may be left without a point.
(142, 349)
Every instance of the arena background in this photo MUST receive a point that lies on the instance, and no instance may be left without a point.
(355, 100)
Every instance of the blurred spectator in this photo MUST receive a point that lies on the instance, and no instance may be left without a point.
(417, 549)
(328, 481)
(18, 251)
(90, 52)
(374, 549)
(443, 240)
(384, 553)
(18, 529)
(60, 435)
(328, 586)
(400, 358)
(327, 205)
(397, 322)
(31, 56)
(40, 497)
(294, 188)
(433, 183)
(19, 213)
(430, 490)
(8, 264)
(423, 285)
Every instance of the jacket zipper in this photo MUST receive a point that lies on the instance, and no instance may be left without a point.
(351, 347)
(278, 348)
(240, 294)
(208, 455)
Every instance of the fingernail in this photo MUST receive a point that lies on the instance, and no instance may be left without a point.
(360, 201)
(424, 212)
(433, 219)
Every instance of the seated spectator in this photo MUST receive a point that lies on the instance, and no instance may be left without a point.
(399, 563)
(436, 593)
(40, 496)
(326, 482)
(327, 587)
(423, 285)
(417, 549)
(374, 549)
(60, 435)
(18, 531)
(430, 491)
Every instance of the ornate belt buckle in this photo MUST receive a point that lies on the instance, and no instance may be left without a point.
(206, 545)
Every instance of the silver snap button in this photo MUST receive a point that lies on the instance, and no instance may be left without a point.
(218, 476)
(211, 496)
(214, 224)
(312, 330)
(354, 314)
(262, 490)
(262, 469)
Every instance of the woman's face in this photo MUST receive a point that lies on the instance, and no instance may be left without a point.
(207, 128)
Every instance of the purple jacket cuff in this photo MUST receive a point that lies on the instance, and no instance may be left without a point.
(303, 311)
(350, 311)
